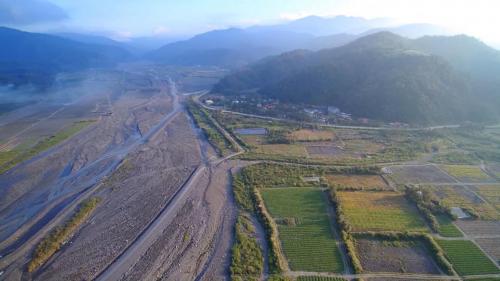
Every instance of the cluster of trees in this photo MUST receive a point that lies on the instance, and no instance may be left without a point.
(247, 262)
(427, 204)
(271, 174)
(278, 136)
(249, 201)
(203, 120)
(345, 231)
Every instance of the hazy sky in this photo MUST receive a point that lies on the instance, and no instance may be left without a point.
(124, 18)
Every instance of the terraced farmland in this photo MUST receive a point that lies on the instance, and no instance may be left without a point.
(380, 211)
(304, 228)
(467, 258)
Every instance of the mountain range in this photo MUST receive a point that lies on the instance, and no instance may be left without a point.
(236, 47)
(383, 76)
(33, 58)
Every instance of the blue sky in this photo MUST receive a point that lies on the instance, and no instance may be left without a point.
(127, 18)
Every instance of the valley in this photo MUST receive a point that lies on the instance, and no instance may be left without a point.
(320, 148)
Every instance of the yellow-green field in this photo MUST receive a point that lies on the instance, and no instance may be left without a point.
(466, 172)
(358, 181)
(490, 193)
(458, 196)
(380, 211)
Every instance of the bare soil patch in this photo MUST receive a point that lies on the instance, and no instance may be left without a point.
(479, 227)
(419, 174)
(404, 257)
(491, 246)
(322, 150)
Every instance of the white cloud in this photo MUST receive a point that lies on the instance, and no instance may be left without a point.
(161, 30)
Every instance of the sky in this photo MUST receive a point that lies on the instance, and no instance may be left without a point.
(122, 19)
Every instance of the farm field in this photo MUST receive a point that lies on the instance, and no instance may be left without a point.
(459, 196)
(380, 211)
(325, 150)
(479, 227)
(467, 258)
(358, 181)
(297, 150)
(467, 173)
(304, 228)
(394, 256)
(319, 278)
(446, 227)
(494, 169)
(311, 135)
(419, 174)
(491, 246)
(455, 157)
(490, 193)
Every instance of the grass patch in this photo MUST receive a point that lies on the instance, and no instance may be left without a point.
(304, 228)
(446, 226)
(11, 158)
(467, 258)
(59, 235)
(247, 262)
(380, 211)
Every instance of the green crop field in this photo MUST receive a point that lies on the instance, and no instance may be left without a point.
(380, 211)
(467, 258)
(447, 228)
(319, 278)
(304, 228)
